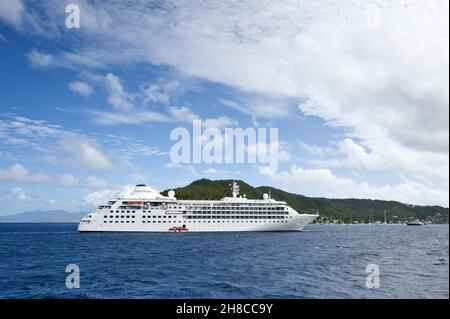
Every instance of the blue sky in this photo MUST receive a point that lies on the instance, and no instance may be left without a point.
(85, 112)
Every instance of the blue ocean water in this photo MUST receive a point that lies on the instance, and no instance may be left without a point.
(324, 261)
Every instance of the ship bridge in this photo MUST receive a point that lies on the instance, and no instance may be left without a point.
(144, 192)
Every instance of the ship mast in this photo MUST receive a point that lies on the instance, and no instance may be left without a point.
(235, 189)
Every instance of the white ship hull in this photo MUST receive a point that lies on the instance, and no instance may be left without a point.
(297, 223)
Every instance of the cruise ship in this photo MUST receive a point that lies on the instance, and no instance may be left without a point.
(146, 210)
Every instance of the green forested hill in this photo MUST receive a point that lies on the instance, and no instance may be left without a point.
(345, 210)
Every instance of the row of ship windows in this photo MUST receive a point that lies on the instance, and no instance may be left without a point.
(229, 213)
(131, 208)
(236, 217)
(193, 206)
(237, 208)
(210, 212)
(232, 206)
(122, 222)
(204, 217)
(228, 221)
(123, 216)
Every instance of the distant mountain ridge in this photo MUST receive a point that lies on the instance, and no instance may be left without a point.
(347, 210)
(39, 216)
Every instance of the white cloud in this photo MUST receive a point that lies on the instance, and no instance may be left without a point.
(50, 159)
(186, 115)
(262, 107)
(18, 173)
(212, 171)
(134, 118)
(117, 96)
(322, 182)
(221, 172)
(347, 153)
(160, 93)
(317, 151)
(85, 152)
(385, 156)
(69, 60)
(220, 122)
(56, 145)
(385, 81)
(182, 114)
(154, 93)
(80, 87)
(41, 60)
(96, 183)
(19, 194)
(94, 199)
(68, 180)
(7, 156)
(12, 11)
(76, 61)
(3, 38)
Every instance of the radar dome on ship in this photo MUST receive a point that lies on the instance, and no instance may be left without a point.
(171, 193)
(266, 196)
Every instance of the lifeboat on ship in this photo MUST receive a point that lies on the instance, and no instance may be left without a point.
(135, 203)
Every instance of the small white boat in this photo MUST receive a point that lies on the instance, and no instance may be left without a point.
(415, 223)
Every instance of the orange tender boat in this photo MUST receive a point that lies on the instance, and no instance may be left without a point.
(178, 229)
